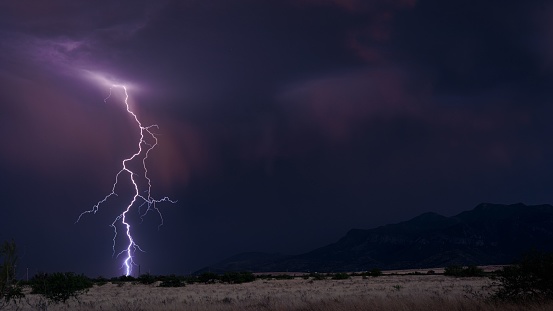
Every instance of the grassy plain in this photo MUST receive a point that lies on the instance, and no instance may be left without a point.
(388, 292)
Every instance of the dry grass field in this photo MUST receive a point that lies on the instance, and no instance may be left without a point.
(389, 292)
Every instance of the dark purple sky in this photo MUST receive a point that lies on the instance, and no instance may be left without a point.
(283, 123)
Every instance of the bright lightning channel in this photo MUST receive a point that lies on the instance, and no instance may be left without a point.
(145, 145)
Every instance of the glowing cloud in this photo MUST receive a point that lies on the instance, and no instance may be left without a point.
(105, 80)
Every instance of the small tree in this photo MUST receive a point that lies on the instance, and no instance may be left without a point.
(530, 279)
(59, 287)
(10, 290)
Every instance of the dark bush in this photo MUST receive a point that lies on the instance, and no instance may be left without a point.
(100, 280)
(340, 276)
(237, 277)
(59, 287)
(171, 281)
(208, 277)
(530, 279)
(10, 289)
(146, 279)
(124, 278)
(453, 270)
(473, 271)
(284, 277)
(318, 276)
(264, 276)
(375, 272)
(458, 271)
(190, 279)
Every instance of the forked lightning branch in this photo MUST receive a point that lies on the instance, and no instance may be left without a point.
(142, 190)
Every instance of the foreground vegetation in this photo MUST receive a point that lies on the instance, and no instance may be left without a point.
(389, 292)
(526, 285)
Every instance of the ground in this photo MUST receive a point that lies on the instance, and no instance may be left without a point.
(388, 292)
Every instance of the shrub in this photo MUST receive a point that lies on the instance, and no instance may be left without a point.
(375, 272)
(59, 287)
(237, 277)
(284, 277)
(340, 276)
(100, 280)
(458, 271)
(123, 278)
(10, 289)
(190, 279)
(318, 276)
(146, 279)
(264, 276)
(453, 271)
(208, 277)
(530, 279)
(473, 271)
(171, 281)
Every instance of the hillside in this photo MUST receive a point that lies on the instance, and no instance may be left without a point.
(487, 234)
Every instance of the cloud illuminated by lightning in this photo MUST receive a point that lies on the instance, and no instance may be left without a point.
(142, 195)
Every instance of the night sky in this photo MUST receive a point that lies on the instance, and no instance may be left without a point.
(282, 123)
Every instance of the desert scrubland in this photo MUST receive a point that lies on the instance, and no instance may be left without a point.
(388, 292)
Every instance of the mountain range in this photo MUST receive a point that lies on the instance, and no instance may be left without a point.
(488, 234)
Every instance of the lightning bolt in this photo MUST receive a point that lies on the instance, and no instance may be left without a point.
(148, 141)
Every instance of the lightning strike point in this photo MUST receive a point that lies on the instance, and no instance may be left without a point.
(141, 195)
